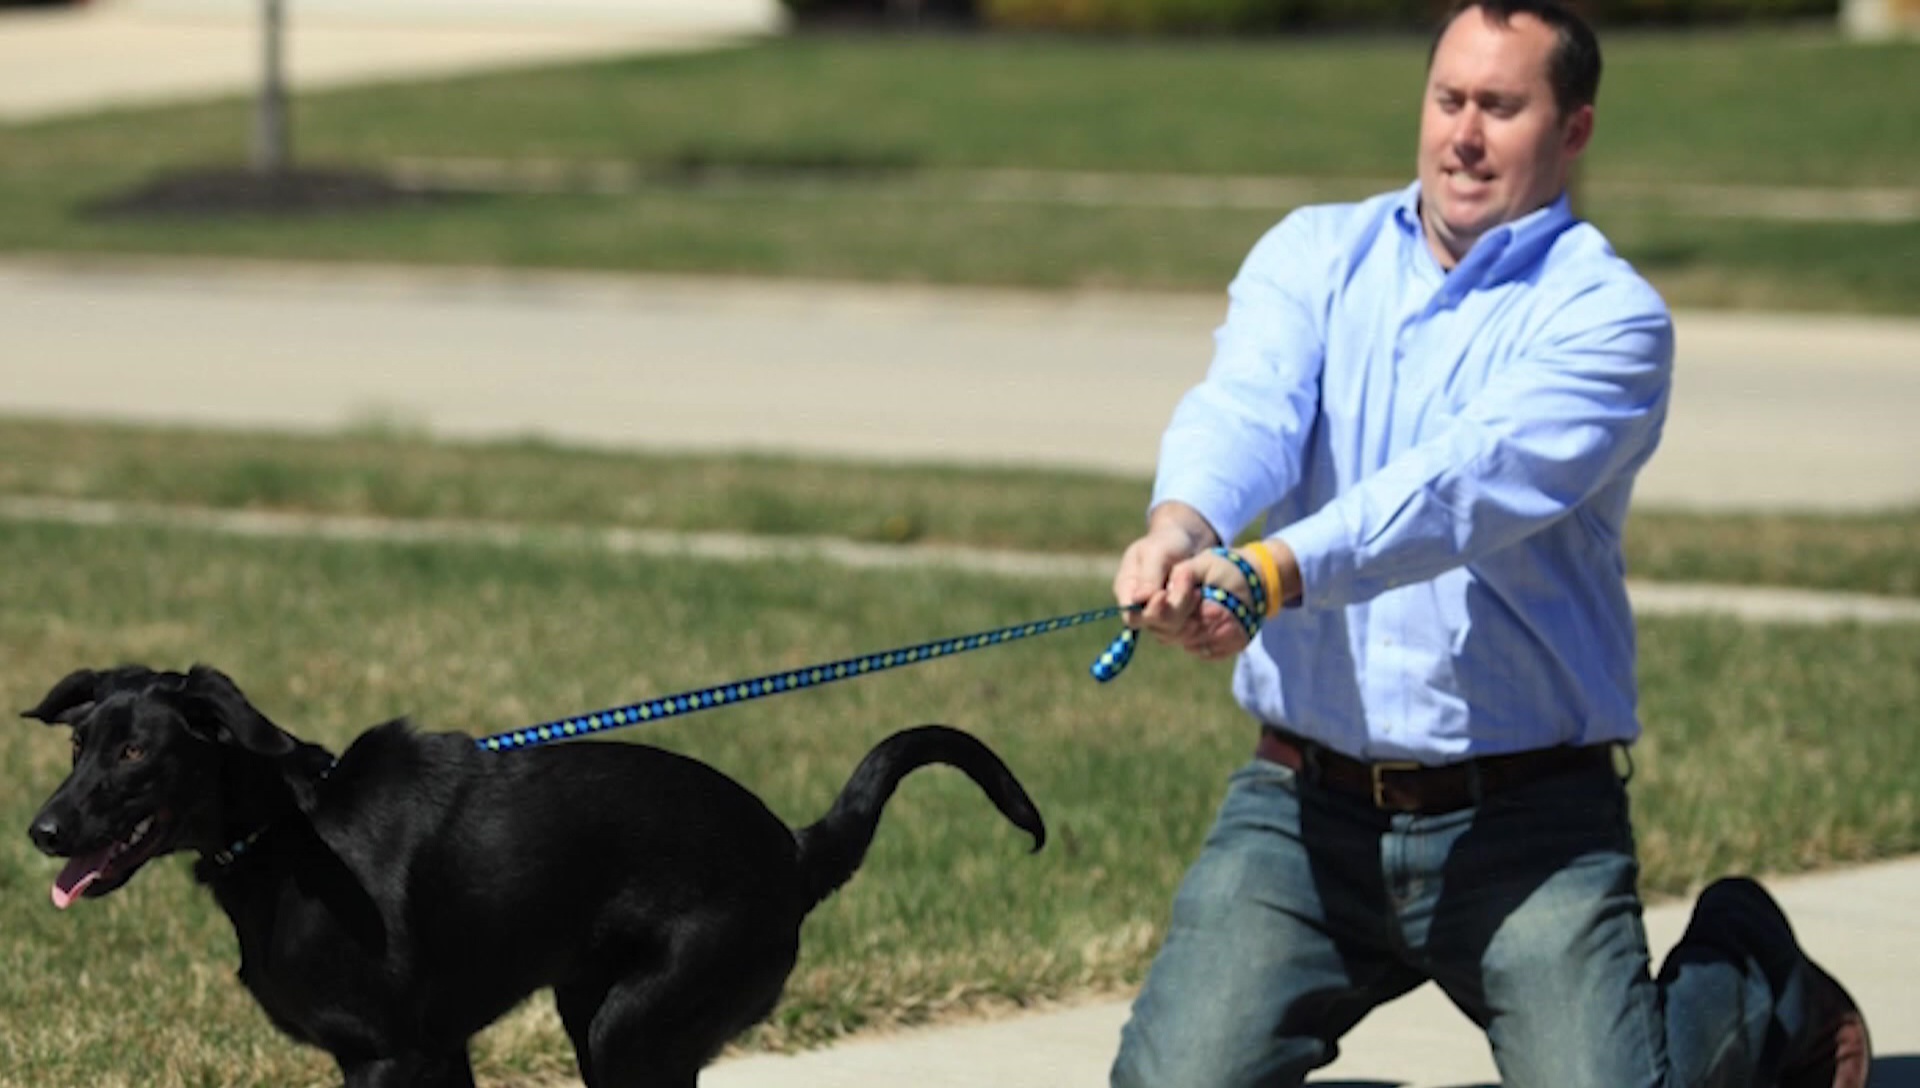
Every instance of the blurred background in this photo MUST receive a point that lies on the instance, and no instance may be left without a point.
(1751, 153)
(766, 178)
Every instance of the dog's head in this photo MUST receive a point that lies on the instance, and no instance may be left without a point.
(150, 751)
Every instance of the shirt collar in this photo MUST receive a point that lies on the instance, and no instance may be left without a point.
(1503, 252)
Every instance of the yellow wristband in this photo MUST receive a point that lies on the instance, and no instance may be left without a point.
(1269, 573)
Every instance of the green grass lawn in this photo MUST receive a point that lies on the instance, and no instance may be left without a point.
(839, 147)
(1769, 749)
(541, 485)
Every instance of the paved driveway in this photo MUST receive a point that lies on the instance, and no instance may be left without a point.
(1799, 412)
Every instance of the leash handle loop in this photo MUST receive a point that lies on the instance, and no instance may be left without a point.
(1119, 652)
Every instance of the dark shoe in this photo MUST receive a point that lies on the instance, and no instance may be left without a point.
(1834, 1051)
(1837, 1052)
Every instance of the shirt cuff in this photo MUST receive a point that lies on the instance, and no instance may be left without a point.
(1323, 546)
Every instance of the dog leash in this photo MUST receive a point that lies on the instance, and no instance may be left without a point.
(1105, 668)
(1108, 665)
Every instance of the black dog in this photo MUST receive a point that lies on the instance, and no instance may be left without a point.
(391, 904)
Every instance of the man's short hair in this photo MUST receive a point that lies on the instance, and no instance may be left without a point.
(1574, 66)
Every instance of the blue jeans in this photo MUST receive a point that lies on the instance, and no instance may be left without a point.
(1307, 909)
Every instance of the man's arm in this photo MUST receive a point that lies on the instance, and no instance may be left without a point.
(1235, 443)
(1557, 426)
(1237, 440)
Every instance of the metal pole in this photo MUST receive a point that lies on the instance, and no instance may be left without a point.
(270, 151)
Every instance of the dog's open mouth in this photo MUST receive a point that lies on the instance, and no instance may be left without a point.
(98, 872)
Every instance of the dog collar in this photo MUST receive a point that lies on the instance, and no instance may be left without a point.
(238, 849)
(235, 851)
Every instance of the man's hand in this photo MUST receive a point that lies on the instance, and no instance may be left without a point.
(1163, 572)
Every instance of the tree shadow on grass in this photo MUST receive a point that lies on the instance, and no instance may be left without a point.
(700, 164)
(218, 192)
(231, 191)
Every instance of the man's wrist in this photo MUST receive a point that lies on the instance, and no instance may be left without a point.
(1177, 517)
(1280, 569)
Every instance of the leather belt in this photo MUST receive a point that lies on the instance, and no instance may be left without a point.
(1413, 787)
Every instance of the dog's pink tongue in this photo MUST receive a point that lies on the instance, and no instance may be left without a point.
(79, 873)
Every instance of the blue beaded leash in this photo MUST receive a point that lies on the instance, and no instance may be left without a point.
(1109, 665)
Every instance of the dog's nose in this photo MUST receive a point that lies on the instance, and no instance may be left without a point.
(46, 834)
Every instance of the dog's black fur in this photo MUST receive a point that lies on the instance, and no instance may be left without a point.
(390, 905)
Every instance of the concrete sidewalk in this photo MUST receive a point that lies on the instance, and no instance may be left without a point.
(1857, 923)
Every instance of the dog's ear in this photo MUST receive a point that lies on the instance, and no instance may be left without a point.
(80, 690)
(69, 700)
(216, 710)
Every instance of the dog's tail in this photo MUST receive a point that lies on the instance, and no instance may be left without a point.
(832, 849)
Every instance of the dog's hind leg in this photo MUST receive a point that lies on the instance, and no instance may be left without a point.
(443, 1070)
(577, 1003)
(658, 1029)
(618, 1043)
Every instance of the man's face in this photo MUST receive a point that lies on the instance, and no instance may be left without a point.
(1493, 146)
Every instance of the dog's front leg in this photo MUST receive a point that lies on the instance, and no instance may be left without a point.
(444, 1070)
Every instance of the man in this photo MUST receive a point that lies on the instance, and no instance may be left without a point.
(1437, 400)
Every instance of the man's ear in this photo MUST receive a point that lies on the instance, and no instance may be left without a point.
(216, 710)
(1578, 132)
(79, 691)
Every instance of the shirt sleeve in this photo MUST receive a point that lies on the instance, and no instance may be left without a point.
(1585, 405)
(1236, 440)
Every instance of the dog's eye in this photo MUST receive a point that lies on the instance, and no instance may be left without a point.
(132, 753)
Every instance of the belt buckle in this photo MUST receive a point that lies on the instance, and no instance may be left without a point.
(1376, 770)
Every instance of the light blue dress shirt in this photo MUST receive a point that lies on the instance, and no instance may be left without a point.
(1450, 456)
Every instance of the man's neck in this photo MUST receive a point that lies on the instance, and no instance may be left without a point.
(1441, 253)
(1449, 256)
